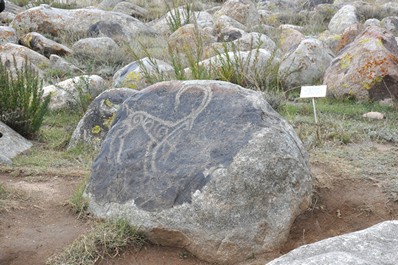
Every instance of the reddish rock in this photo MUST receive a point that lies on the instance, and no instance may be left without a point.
(367, 68)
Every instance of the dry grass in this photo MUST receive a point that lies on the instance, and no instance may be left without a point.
(106, 240)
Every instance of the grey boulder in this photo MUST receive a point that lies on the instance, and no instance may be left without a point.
(377, 245)
(204, 165)
(11, 144)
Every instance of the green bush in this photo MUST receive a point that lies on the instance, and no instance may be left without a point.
(22, 106)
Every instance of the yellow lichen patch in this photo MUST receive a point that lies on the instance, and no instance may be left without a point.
(96, 129)
(108, 103)
(131, 80)
(379, 43)
(108, 122)
(365, 40)
(369, 85)
(345, 61)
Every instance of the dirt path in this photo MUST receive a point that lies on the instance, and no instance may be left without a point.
(352, 192)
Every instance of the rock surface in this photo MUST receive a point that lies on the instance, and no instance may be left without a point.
(306, 64)
(96, 122)
(11, 144)
(344, 18)
(71, 92)
(80, 22)
(44, 46)
(377, 245)
(366, 68)
(204, 165)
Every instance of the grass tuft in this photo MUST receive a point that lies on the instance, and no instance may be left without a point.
(106, 240)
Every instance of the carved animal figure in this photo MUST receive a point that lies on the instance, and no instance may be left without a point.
(2, 5)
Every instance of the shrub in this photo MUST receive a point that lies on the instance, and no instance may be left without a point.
(22, 106)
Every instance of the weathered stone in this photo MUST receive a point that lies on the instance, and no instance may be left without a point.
(44, 46)
(184, 40)
(345, 17)
(391, 24)
(96, 122)
(374, 115)
(81, 22)
(10, 53)
(229, 34)
(377, 245)
(131, 10)
(331, 40)
(224, 21)
(202, 19)
(289, 39)
(243, 11)
(372, 22)
(205, 165)
(133, 74)
(366, 68)
(7, 35)
(68, 93)
(101, 49)
(60, 64)
(349, 35)
(11, 144)
(305, 65)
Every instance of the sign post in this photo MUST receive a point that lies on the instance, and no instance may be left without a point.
(313, 92)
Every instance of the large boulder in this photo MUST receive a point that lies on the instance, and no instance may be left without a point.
(16, 56)
(74, 92)
(204, 165)
(80, 23)
(377, 245)
(306, 64)
(96, 122)
(11, 144)
(345, 17)
(366, 68)
(101, 49)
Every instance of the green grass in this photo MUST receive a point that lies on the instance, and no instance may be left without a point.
(77, 201)
(49, 152)
(340, 122)
(106, 240)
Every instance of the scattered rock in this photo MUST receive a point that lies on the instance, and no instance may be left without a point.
(391, 24)
(306, 64)
(204, 165)
(243, 11)
(73, 92)
(133, 74)
(81, 22)
(345, 17)
(377, 245)
(131, 10)
(374, 115)
(44, 46)
(101, 49)
(11, 144)
(60, 64)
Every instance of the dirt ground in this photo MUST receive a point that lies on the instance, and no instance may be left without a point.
(356, 186)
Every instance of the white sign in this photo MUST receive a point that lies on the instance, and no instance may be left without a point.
(313, 91)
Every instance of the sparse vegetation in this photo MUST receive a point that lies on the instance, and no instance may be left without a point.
(77, 201)
(22, 105)
(106, 240)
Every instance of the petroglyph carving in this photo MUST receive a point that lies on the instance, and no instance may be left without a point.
(162, 133)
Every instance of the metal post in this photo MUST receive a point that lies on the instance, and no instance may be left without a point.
(313, 105)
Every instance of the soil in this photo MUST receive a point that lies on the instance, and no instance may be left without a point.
(352, 192)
